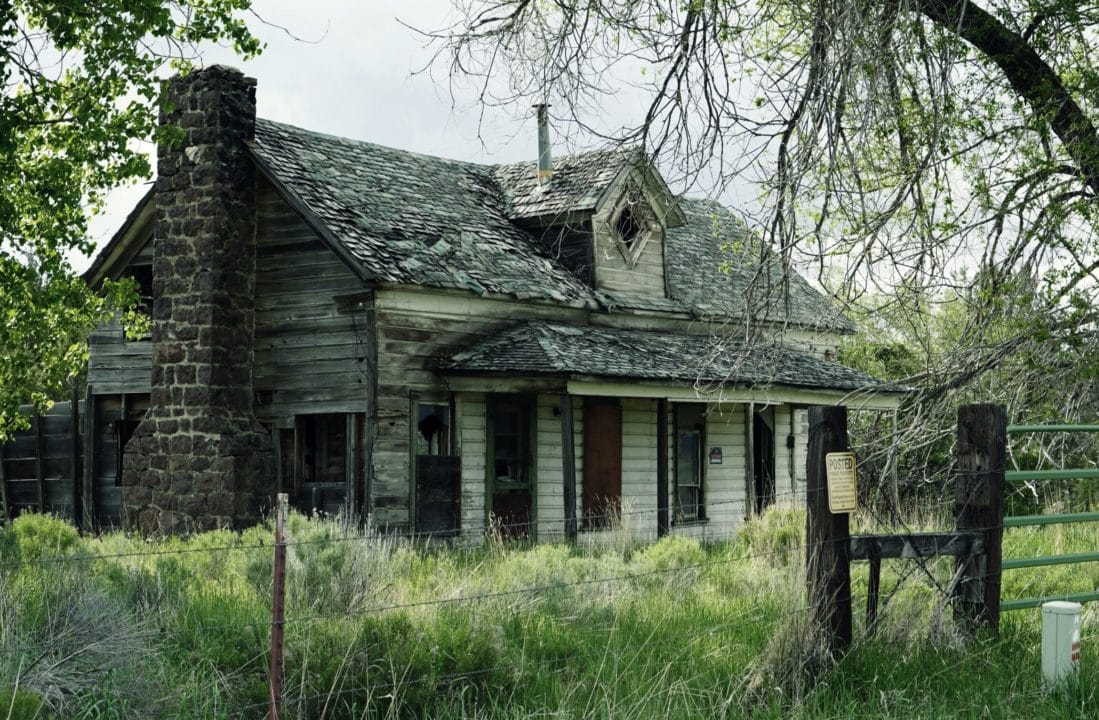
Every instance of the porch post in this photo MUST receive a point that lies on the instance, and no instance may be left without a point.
(568, 466)
(749, 458)
(662, 520)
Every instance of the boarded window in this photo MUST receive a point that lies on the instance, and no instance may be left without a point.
(690, 426)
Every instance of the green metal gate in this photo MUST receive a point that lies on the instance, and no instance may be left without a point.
(1021, 476)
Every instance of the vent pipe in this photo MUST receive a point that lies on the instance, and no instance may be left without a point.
(545, 158)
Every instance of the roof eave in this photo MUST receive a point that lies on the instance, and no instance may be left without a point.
(310, 218)
(120, 247)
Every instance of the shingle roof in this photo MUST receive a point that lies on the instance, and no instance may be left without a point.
(414, 219)
(541, 348)
(578, 183)
(716, 267)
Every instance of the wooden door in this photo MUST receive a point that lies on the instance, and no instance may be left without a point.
(602, 464)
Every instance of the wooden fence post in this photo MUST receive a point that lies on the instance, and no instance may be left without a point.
(278, 605)
(979, 507)
(828, 535)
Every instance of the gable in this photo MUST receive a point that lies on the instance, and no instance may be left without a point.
(411, 219)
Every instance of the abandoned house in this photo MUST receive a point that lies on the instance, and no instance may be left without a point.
(437, 344)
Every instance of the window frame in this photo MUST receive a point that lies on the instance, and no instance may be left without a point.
(699, 412)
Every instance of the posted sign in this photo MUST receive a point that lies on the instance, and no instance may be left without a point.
(840, 474)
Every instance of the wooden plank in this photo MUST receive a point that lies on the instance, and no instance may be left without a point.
(39, 450)
(4, 486)
(75, 452)
(915, 545)
(88, 496)
(749, 458)
(663, 514)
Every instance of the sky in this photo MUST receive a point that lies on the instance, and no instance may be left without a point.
(354, 71)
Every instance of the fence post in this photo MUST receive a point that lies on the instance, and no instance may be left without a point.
(278, 605)
(979, 507)
(828, 535)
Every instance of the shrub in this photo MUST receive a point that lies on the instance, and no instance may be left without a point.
(775, 535)
(43, 536)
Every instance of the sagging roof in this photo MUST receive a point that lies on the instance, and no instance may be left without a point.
(407, 218)
(553, 349)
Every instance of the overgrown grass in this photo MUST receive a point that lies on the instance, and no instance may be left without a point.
(114, 627)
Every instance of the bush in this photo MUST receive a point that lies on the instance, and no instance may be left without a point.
(775, 535)
(43, 536)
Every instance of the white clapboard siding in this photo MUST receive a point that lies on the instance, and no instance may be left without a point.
(550, 521)
(725, 484)
(470, 411)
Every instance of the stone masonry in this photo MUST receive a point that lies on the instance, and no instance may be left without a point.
(200, 459)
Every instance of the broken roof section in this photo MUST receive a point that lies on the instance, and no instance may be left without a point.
(553, 349)
(402, 218)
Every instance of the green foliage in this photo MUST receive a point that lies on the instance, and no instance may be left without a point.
(679, 629)
(43, 536)
(776, 535)
(18, 704)
(81, 87)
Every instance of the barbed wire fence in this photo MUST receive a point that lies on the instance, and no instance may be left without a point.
(513, 599)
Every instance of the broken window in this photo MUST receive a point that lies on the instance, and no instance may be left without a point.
(690, 427)
(316, 460)
(432, 429)
(438, 472)
(628, 228)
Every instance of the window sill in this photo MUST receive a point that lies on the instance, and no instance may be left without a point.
(691, 523)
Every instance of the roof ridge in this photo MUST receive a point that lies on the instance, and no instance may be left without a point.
(367, 143)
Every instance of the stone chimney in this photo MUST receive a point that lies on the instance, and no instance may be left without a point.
(200, 459)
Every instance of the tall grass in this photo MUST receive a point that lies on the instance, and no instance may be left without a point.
(115, 627)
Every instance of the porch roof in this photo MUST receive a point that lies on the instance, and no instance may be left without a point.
(539, 348)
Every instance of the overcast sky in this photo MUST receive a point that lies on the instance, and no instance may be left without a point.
(354, 73)
(357, 70)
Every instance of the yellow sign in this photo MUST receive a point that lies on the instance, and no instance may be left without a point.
(840, 474)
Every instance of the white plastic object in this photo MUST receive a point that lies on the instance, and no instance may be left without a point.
(1060, 641)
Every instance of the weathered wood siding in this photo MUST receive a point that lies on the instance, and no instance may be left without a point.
(48, 448)
(550, 522)
(614, 273)
(415, 329)
(471, 427)
(105, 493)
(725, 484)
(311, 351)
(790, 463)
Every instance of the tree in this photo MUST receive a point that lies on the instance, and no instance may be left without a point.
(927, 145)
(81, 87)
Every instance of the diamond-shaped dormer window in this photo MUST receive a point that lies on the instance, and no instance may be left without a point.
(633, 224)
(627, 227)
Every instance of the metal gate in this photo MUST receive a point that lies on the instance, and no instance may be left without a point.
(1021, 476)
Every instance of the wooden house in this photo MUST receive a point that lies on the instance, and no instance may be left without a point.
(440, 345)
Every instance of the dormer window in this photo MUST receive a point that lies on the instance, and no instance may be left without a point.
(628, 229)
(633, 225)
